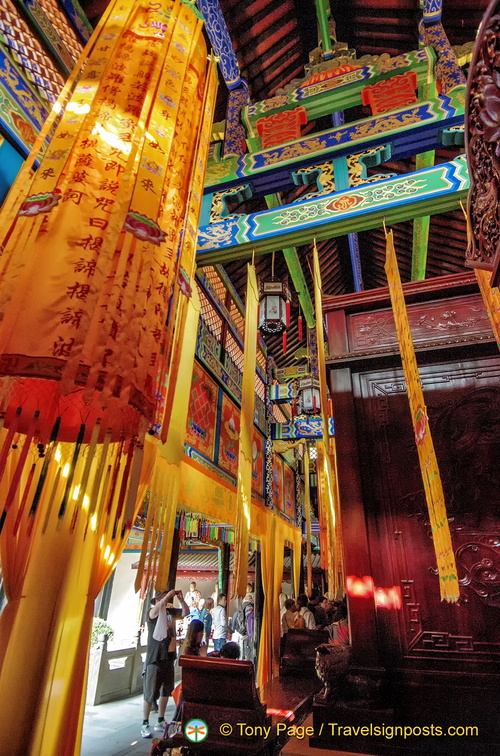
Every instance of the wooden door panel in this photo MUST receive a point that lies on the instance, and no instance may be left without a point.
(463, 402)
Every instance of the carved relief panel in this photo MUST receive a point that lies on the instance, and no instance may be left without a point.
(455, 320)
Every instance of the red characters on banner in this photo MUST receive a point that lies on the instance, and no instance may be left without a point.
(391, 93)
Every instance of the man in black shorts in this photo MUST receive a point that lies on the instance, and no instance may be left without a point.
(160, 656)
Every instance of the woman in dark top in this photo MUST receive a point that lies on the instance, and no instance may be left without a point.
(192, 645)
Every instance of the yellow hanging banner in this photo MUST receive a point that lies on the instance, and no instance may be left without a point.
(327, 456)
(244, 484)
(448, 581)
(307, 512)
(491, 299)
(154, 563)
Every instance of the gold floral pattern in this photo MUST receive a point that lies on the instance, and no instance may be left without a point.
(297, 149)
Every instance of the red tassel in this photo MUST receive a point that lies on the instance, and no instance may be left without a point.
(288, 314)
(284, 342)
(299, 324)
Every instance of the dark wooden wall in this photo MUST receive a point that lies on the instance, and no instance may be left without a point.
(438, 657)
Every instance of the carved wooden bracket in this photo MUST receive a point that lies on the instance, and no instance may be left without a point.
(483, 146)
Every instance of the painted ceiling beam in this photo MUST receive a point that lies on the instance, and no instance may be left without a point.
(220, 40)
(394, 200)
(432, 10)
(432, 33)
(409, 130)
(341, 92)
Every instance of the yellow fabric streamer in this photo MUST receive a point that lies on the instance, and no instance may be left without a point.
(491, 299)
(327, 457)
(90, 262)
(56, 595)
(244, 484)
(277, 531)
(307, 512)
(164, 492)
(448, 581)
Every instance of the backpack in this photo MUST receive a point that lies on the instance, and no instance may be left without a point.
(299, 622)
(248, 608)
(239, 624)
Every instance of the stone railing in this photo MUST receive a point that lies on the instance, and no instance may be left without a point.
(114, 674)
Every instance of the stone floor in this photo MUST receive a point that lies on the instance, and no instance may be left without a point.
(113, 729)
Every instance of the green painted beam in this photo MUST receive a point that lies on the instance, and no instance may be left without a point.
(296, 272)
(421, 229)
(322, 14)
(299, 282)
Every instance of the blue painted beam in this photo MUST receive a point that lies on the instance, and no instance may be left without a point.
(408, 131)
(220, 40)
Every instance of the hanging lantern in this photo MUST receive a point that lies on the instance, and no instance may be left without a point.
(309, 396)
(274, 308)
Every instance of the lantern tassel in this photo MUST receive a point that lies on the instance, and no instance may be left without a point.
(284, 342)
(299, 325)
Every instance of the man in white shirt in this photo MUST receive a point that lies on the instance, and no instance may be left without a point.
(219, 624)
(193, 596)
(305, 613)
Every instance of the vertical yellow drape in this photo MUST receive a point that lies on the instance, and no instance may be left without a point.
(264, 666)
(49, 614)
(307, 512)
(92, 246)
(327, 457)
(277, 532)
(154, 562)
(491, 299)
(443, 547)
(244, 484)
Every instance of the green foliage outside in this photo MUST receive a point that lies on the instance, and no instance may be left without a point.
(100, 627)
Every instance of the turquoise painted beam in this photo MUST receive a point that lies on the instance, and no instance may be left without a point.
(394, 200)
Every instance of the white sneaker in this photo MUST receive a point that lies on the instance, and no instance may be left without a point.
(160, 726)
(145, 731)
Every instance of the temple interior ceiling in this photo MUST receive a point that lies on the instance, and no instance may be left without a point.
(272, 40)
